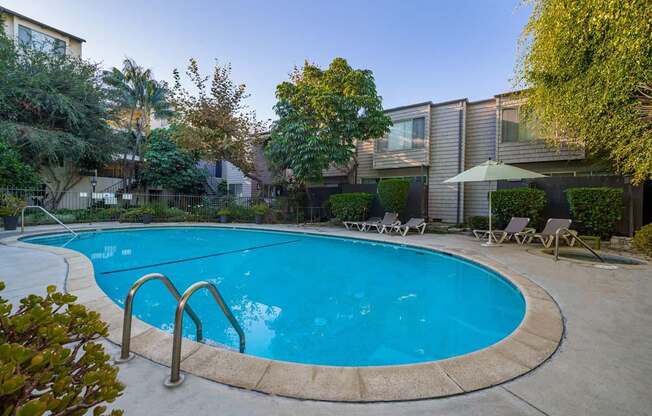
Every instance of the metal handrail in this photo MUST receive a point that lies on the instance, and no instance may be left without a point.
(125, 354)
(22, 219)
(176, 378)
(576, 237)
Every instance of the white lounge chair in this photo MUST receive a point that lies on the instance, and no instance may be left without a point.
(547, 236)
(418, 224)
(360, 225)
(389, 220)
(516, 228)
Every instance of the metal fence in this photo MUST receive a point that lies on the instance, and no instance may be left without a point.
(77, 207)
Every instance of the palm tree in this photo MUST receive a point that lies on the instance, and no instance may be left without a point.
(135, 99)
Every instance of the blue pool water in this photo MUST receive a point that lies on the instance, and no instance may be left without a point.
(309, 299)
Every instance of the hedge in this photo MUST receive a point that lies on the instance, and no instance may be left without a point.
(643, 239)
(478, 222)
(595, 211)
(518, 202)
(352, 206)
(393, 194)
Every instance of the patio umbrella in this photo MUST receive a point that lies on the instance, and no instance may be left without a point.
(492, 171)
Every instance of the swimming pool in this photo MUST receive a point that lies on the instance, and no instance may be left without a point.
(310, 299)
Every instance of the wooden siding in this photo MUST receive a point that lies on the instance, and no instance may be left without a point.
(335, 171)
(366, 150)
(405, 158)
(444, 157)
(400, 159)
(480, 146)
(234, 175)
(365, 160)
(533, 151)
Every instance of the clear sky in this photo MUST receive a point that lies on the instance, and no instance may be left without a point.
(418, 50)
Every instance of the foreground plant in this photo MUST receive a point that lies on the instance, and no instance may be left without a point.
(49, 362)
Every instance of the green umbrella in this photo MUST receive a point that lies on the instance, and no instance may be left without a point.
(492, 171)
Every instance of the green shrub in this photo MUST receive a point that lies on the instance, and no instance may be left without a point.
(224, 212)
(518, 202)
(352, 206)
(105, 214)
(136, 214)
(11, 205)
(202, 212)
(260, 209)
(643, 239)
(242, 213)
(478, 222)
(50, 360)
(393, 194)
(595, 211)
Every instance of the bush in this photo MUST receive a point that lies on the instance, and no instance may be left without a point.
(595, 211)
(352, 206)
(643, 239)
(49, 360)
(479, 222)
(224, 212)
(518, 202)
(393, 194)
(260, 209)
(136, 214)
(242, 213)
(11, 205)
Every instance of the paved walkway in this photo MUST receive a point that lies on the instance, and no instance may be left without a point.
(603, 366)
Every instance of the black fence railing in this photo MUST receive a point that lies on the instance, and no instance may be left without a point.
(79, 207)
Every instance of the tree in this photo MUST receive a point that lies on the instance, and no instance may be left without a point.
(135, 98)
(322, 114)
(215, 123)
(52, 113)
(14, 173)
(170, 167)
(588, 67)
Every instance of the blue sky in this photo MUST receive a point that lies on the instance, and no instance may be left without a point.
(418, 50)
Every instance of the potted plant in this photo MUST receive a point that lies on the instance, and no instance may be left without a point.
(10, 206)
(224, 215)
(260, 210)
(146, 215)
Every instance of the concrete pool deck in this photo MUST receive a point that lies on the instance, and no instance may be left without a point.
(602, 367)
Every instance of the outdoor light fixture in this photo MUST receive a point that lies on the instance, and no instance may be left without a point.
(94, 180)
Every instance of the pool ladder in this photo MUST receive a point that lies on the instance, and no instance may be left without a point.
(576, 238)
(175, 378)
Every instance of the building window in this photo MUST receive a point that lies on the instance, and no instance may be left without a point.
(41, 41)
(235, 189)
(513, 128)
(404, 135)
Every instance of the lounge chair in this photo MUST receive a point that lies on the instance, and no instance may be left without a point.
(388, 222)
(516, 228)
(360, 225)
(547, 236)
(418, 224)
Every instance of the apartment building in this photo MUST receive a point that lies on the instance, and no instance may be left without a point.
(431, 142)
(36, 34)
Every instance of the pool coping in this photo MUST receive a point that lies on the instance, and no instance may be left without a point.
(532, 342)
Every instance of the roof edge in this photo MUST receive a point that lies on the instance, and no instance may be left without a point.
(36, 22)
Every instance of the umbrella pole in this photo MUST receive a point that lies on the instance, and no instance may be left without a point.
(489, 242)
